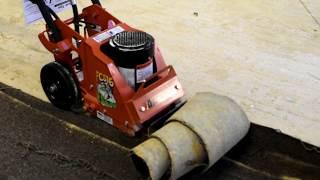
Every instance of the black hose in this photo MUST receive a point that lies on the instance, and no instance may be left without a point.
(53, 13)
(46, 14)
(96, 2)
(76, 18)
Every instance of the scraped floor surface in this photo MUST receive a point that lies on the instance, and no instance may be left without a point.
(264, 54)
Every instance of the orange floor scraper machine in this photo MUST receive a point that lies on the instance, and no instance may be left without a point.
(107, 68)
(117, 73)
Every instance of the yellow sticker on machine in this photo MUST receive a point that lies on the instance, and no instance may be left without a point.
(105, 86)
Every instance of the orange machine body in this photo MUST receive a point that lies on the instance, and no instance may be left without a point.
(125, 108)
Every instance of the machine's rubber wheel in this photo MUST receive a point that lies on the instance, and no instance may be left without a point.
(59, 86)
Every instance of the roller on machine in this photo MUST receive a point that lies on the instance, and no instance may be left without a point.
(117, 73)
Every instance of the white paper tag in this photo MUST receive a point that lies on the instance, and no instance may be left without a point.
(104, 118)
(105, 35)
(32, 12)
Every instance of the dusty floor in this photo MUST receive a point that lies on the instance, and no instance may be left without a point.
(264, 54)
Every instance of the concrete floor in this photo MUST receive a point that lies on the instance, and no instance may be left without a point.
(264, 54)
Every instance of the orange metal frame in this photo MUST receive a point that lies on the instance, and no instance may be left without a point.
(132, 108)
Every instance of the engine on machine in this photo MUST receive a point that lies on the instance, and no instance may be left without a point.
(133, 53)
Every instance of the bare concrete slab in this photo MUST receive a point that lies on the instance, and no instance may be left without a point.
(264, 54)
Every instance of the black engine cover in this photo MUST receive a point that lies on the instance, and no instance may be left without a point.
(129, 49)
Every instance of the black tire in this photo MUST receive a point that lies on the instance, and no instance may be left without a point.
(59, 86)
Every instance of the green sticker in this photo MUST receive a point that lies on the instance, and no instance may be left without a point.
(105, 95)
